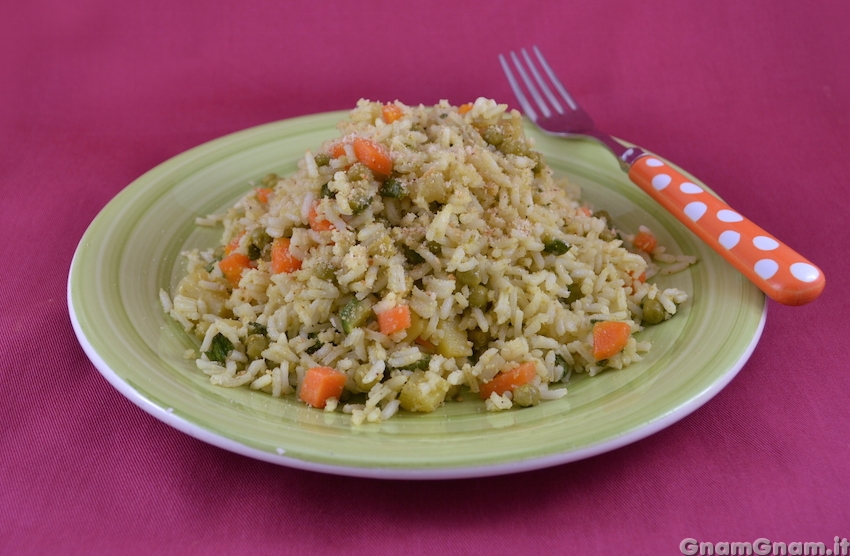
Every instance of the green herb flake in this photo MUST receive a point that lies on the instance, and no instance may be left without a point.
(561, 362)
(556, 247)
(219, 349)
(412, 256)
(420, 365)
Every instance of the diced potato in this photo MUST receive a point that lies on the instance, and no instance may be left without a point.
(432, 187)
(190, 287)
(417, 326)
(424, 392)
(255, 345)
(454, 342)
(383, 247)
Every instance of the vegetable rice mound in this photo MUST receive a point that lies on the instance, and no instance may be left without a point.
(426, 254)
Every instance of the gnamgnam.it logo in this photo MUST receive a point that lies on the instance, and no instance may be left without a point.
(764, 547)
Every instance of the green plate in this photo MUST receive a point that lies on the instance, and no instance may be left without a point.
(132, 248)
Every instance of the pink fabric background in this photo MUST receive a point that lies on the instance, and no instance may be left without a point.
(751, 97)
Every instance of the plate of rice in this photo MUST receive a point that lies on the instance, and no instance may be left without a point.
(405, 291)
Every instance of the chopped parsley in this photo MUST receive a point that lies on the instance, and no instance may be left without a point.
(561, 362)
(219, 349)
(420, 365)
(556, 247)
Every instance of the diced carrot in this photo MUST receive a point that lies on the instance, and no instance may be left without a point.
(233, 265)
(282, 259)
(318, 222)
(263, 194)
(234, 244)
(320, 384)
(374, 155)
(586, 211)
(338, 150)
(609, 338)
(645, 241)
(510, 380)
(426, 344)
(394, 320)
(464, 108)
(391, 113)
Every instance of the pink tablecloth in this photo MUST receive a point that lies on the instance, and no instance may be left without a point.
(752, 97)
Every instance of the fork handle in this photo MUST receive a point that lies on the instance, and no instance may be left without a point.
(779, 271)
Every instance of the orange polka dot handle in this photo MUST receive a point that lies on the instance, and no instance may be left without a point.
(779, 271)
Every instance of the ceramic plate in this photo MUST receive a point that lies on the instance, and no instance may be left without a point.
(132, 249)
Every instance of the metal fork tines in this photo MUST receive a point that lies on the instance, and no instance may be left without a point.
(557, 114)
(774, 267)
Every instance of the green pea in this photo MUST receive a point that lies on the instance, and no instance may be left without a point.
(325, 272)
(526, 395)
(653, 311)
(607, 235)
(469, 278)
(361, 203)
(259, 237)
(478, 297)
(493, 135)
(392, 188)
(360, 378)
(359, 172)
(322, 159)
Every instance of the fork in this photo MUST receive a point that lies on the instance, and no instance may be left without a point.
(776, 269)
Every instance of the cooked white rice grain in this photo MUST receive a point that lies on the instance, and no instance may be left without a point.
(494, 259)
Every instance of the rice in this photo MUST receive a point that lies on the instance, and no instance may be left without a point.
(447, 220)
